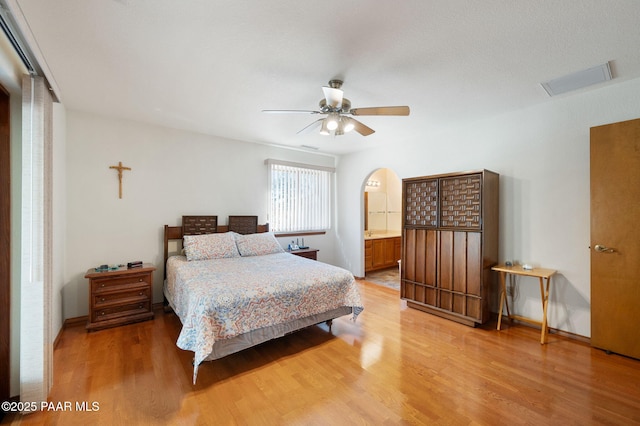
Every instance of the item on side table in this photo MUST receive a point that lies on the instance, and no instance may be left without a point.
(135, 264)
(302, 247)
(105, 268)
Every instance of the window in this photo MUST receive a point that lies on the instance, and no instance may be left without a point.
(299, 197)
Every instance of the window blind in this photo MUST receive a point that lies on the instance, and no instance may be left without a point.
(300, 197)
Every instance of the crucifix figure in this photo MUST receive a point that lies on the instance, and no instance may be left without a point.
(120, 168)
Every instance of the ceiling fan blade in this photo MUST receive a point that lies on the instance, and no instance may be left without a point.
(388, 110)
(290, 111)
(333, 97)
(310, 127)
(361, 128)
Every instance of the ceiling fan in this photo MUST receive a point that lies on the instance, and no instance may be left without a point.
(337, 111)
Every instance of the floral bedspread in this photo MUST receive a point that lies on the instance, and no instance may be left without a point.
(222, 298)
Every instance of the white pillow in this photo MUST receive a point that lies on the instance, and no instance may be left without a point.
(258, 244)
(210, 246)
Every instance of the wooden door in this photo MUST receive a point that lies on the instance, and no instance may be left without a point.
(5, 246)
(615, 237)
(378, 253)
(397, 249)
(368, 256)
(389, 247)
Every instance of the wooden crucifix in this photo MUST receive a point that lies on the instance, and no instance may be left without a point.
(120, 168)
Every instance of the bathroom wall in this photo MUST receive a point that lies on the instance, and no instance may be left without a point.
(391, 186)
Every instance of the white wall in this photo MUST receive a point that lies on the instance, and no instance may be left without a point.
(394, 201)
(174, 173)
(59, 201)
(542, 156)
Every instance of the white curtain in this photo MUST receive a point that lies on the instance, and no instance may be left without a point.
(36, 350)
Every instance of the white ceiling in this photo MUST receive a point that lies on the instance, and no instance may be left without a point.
(212, 66)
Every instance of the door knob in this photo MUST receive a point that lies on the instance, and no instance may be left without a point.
(603, 249)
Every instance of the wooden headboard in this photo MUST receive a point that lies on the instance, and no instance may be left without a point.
(199, 225)
(243, 224)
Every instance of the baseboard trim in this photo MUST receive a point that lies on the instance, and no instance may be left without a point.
(574, 336)
(72, 322)
(563, 333)
(69, 322)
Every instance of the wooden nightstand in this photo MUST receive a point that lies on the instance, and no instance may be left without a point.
(121, 296)
(309, 253)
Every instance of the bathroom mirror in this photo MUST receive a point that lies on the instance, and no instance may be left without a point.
(382, 203)
(376, 212)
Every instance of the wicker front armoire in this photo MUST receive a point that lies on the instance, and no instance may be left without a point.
(450, 243)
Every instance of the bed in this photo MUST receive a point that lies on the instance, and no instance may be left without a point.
(235, 287)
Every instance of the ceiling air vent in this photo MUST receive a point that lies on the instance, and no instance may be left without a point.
(578, 80)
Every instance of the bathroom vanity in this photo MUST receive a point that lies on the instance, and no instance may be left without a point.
(381, 251)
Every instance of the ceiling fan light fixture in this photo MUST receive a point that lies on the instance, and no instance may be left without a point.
(334, 108)
(347, 124)
(324, 130)
(332, 121)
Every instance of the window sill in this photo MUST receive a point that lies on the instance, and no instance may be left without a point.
(299, 234)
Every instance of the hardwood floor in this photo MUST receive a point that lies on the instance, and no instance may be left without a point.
(392, 366)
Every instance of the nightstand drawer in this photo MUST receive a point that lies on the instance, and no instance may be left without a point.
(309, 253)
(109, 313)
(129, 296)
(117, 283)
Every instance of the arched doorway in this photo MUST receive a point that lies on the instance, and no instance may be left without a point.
(382, 227)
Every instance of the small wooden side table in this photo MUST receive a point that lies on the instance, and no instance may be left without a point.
(120, 296)
(540, 273)
(309, 253)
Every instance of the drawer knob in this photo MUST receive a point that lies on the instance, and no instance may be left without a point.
(102, 299)
(140, 307)
(102, 285)
(140, 280)
(102, 313)
(141, 293)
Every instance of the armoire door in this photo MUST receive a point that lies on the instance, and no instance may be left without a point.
(419, 278)
(460, 272)
(615, 237)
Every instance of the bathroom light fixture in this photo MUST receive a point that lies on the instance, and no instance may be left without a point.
(373, 183)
